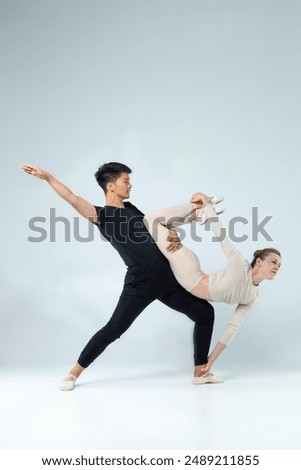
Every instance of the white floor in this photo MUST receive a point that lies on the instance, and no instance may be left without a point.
(150, 409)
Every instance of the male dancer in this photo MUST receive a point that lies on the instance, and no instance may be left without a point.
(148, 276)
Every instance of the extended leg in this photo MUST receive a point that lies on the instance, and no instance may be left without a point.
(173, 216)
(184, 263)
(124, 315)
(127, 310)
(201, 313)
(219, 231)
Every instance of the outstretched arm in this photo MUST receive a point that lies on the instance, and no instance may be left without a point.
(82, 206)
(233, 327)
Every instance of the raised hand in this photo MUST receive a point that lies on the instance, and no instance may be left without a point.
(200, 198)
(35, 171)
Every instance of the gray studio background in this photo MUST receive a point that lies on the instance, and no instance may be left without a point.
(192, 95)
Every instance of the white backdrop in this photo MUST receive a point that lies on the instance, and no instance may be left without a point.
(192, 95)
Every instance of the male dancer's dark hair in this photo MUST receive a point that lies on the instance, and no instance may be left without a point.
(109, 173)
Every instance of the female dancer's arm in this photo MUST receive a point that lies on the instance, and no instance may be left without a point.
(85, 208)
(233, 327)
(171, 218)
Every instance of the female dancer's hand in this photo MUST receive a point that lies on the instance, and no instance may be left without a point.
(200, 198)
(206, 368)
(174, 242)
(34, 171)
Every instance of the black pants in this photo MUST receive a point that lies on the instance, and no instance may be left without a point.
(142, 286)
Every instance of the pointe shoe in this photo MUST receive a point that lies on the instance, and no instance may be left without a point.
(207, 379)
(202, 216)
(68, 385)
(219, 210)
(216, 199)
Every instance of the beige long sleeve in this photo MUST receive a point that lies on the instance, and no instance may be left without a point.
(236, 322)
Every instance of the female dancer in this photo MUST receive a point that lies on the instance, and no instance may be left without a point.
(236, 283)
